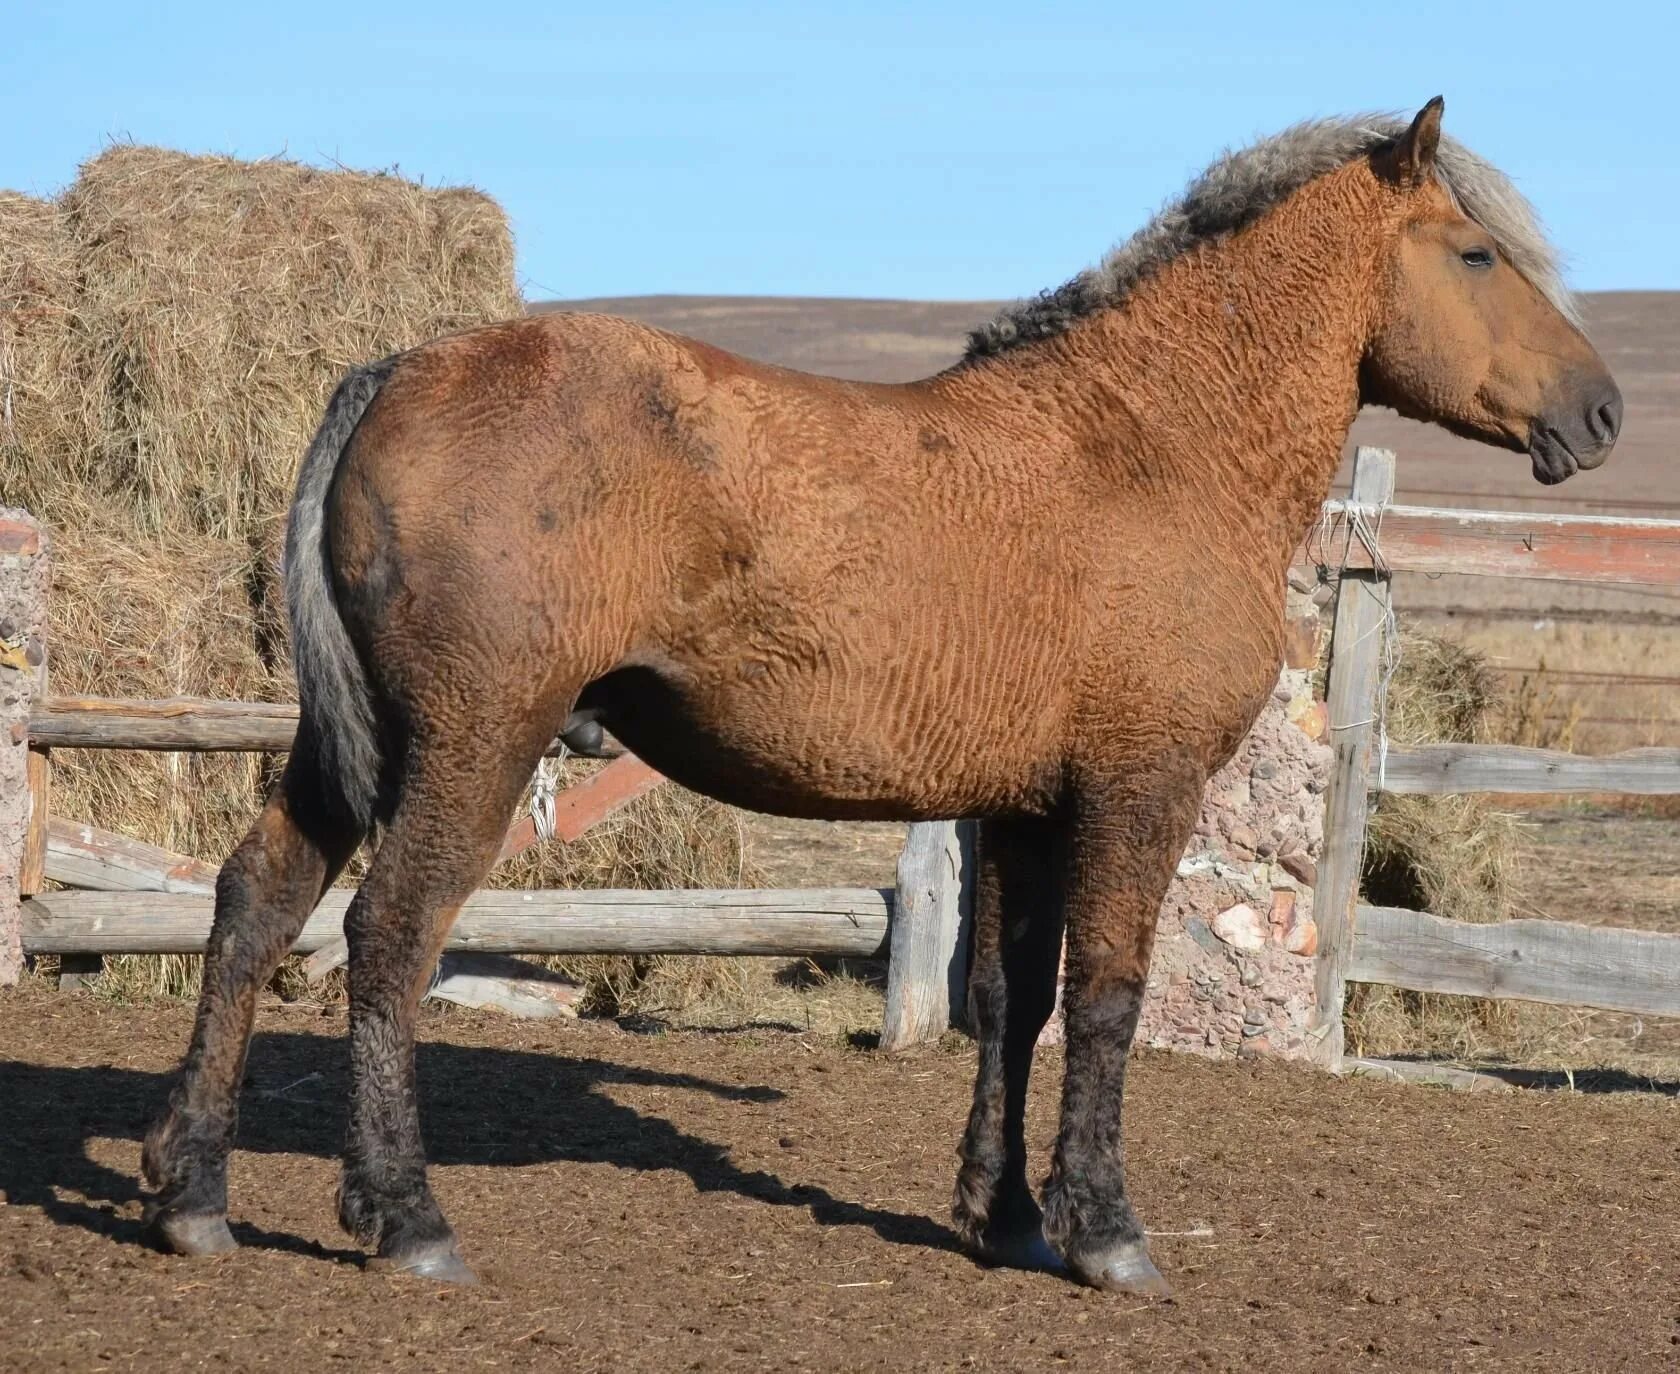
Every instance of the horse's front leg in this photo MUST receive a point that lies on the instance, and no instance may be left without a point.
(1011, 993)
(1126, 839)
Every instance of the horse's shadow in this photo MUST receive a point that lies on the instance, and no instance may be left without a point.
(480, 1106)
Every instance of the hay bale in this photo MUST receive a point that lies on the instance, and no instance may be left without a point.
(1455, 856)
(43, 407)
(222, 300)
(169, 616)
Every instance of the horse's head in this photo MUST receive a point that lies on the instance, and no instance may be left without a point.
(1467, 338)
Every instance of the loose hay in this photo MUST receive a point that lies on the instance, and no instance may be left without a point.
(43, 406)
(1454, 856)
(170, 330)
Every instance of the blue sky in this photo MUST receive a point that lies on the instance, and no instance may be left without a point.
(926, 149)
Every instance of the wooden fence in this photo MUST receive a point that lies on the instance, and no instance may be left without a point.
(121, 896)
(1368, 540)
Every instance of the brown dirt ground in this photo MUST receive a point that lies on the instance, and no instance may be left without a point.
(689, 1201)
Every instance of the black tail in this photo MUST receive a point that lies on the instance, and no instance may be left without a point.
(333, 692)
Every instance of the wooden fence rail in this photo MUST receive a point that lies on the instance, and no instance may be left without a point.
(1544, 961)
(1570, 548)
(1537, 961)
(822, 922)
(1439, 769)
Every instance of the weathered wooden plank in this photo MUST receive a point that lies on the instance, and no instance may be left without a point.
(1362, 604)
(32, 868)
(193, 724)
(928, 967)
(1571, 548)
(76, 970)
(503, 983)
(85, 856)
(1433, 1075)
(818, 921)
(334, 954)
(1435, 769)
(189, 723)
(1538, 961)
(579, 808)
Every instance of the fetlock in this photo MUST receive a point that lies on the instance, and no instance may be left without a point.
(185, 1161)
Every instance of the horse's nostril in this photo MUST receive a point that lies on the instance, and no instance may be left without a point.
(1606, 420)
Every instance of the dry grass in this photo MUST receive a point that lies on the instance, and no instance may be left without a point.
(1455, 856)
(43, 409)
(1575, 684)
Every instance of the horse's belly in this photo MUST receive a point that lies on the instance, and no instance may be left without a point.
(828, 746)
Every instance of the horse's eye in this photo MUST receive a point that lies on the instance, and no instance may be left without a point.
(1477, 257)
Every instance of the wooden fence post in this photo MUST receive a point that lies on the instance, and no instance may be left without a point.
(24, 578)
(1356, 658)
(927, 969)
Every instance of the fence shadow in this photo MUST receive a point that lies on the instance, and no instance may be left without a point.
(486, 1107)
(1552, 1080)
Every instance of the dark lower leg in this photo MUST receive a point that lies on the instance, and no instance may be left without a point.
(1088, 1217)
(384, 1199)
(1125, 845)
(441, 842)
(1012, 991)
(264, 894)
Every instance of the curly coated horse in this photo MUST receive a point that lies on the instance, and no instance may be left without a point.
(1043, 589)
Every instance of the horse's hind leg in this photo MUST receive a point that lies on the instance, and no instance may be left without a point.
(264, 893)
(1011, 993)
(459, 790)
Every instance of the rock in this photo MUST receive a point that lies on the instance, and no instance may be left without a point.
(1264, 769)
(1300, 642)
(1245, 841)
(1302, 938)
(1197, 929)
(1251, 974)
(1236, 799)
(1240, 927)
(1311, 718)
(1300, 867)
(1282, 914)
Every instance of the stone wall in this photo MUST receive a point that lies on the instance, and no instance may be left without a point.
(1232, 972)
(23, 614)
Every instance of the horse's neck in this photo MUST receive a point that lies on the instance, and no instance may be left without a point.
(1232, 376)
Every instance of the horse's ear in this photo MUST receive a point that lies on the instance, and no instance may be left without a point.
(1414, 155)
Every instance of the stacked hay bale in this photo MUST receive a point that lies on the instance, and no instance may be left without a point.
(1454, 856)
(173, 326)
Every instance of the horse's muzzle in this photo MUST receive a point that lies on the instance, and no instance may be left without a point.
(1578, 439)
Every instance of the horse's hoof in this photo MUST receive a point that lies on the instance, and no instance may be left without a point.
(1124, 1269)
(1022, 1250)
(194, 1233)
(438, 1262)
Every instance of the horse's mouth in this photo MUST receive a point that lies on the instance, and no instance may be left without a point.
(1553, 459)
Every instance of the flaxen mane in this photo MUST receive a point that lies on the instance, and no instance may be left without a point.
(1243, 185)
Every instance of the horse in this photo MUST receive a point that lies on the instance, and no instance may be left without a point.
(1042, 589)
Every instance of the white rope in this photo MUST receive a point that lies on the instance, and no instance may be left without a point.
(545, 786)
(1347, 523)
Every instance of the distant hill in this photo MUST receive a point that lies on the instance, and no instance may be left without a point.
(1638, 333)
